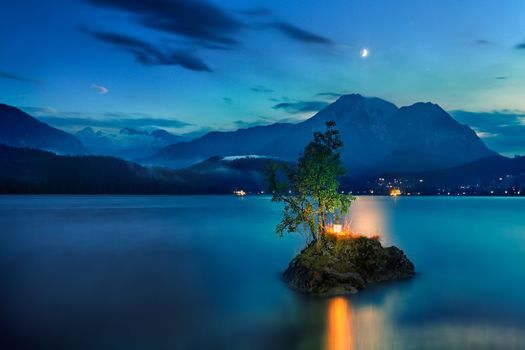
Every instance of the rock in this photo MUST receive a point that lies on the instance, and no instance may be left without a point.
(335, 266)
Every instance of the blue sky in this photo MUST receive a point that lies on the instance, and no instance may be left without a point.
(187, 65)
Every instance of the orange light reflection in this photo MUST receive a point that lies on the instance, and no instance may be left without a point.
(339, 325)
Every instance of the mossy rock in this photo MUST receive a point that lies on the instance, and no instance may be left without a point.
(334, 266)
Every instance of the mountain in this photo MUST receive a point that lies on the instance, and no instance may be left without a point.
(128, 143)
(364, 125)
(229, 143)
(33, 171)
(18, 129)
(378, 136)
(427, 137)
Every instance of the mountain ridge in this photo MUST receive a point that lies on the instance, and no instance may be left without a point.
(372, 130)
(129, 143)
(19, 129)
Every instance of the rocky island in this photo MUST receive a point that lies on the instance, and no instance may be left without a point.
(345, 265)
(335, 260)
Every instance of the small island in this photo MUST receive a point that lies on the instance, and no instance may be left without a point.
(335, 261)
(346, 265)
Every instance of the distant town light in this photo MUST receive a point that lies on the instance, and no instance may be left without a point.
(239, 193)
(395, 192)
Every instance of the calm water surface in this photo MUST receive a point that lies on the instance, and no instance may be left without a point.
(203, 272)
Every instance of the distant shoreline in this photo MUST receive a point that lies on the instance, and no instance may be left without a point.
(240, 198)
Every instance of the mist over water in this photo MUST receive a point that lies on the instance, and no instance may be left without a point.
(203, 272)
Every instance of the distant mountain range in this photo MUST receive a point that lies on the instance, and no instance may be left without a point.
(421, 145)
(18, 129)
(219, 143)
(378, 137)
(129, 143)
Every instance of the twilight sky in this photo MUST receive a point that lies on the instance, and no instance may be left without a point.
(187, 65)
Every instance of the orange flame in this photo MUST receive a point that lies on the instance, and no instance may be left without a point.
(340, 230)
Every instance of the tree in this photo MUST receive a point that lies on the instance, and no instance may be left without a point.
(310, 188)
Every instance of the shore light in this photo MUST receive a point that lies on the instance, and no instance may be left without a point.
(395, 192)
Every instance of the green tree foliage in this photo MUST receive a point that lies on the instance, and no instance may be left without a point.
(310, 188)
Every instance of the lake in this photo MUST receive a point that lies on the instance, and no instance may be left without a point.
(203, 272)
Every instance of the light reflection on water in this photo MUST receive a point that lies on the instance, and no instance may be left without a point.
(339, 325)
(203, 272)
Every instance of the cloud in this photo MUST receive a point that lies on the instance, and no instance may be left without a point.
(501, 130)
(243, 124)
(260, 88)
(11, 76)
(256, 12)
(100, 89)
(192, 23)
(501, 77)
(257, 121)
(39, 111)
(520, 46)
(483, 42)
(148, 54)
(202, 21)
(299, 34)
(109, 120)
(227, 100)
(329, 94)
(301, 106)
(199, 20)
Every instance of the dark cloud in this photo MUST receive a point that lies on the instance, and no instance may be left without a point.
(329, 94)
(301, 106)
(198, 23)
(109, 120)
(192, 23)
(10, 76)
(257, 12)
(199, 20)
(257, 121)
(483, 42)
(299, 34)
(249, 124)
(502, 131)
(149, 55)
(520, 46)
(260, 88)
